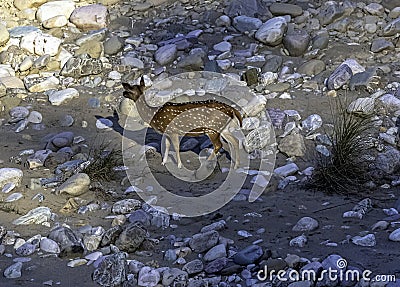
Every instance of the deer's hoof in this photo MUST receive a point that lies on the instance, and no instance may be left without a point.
(163, 163)
(180, 165)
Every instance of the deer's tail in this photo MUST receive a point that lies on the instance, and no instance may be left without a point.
(236, 114)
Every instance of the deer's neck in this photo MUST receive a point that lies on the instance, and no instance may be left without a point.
(145, 111)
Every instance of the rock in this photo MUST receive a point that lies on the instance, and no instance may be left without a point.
(248, 255)
(148, 277)
(312, 123)
(55, 22)
(54, 9)
(24, 4)
(388, 161)
(76, 185)
(56, 98)
(293, 145)
(104, 124)
(251, 8)
(132, 61)
(111, 235)
(49, 245)
(362, 106)
(296, 43)
(48, 84)
(40, 44)
(272, 31)
(166, 54)
(19, 112)
(280, 9)
(35, 117)
(131, 238)
(39, 215)
(193, 267)
(113, 45)
(305, 224)
(380, 44)
(4, 35)
(312, 67)
(216, 265)
(223, 21)
(93, 48)
(223, 46)
(367, 240)
(392, 28)
(258, 138)
(174, 276)
(204, 241)
(286, 170)
(339, 77)
(215, 252)
(82, 65)
(111, 271)
(245, 23)
(395, 235)
(299, 241)
(330, 12)
(390, 102)
(10, 176)
(273, 64)
(90, 17)
(69, 242)
(13, 271)
(25, 249)
(126, 206)
(12, 83)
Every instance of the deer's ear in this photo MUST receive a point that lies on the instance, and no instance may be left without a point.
(127, 86)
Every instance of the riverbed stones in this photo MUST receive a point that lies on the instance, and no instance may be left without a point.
(305, 224)
(148, 277)
(82, 65)
(272, 31)
(293, 145)
(112, 270)
(90, 17)
(296, 42)
(131, 238)
(126, 206)
(280, 9)
(48, 245)
(70, 242)
(204, 241)
(215, 252)
(10, 175)
(367, 240)
(244, 23)
(4, 35)
(248, 255)
(395, 235)
(166, 54)
(54, 9)
(13, 271)
(76, 185)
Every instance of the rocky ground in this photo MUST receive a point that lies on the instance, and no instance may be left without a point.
(61, 73)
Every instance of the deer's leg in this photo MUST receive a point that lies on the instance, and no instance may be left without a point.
(235, 145)
(216, 141)
(175, 143)
(166, 152)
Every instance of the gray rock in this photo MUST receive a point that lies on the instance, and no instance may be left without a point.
(272, 31)
(41, 62)
(70, 242)
(293, 145)
(334, 262)
(148, 277)
(248, 255)
(111, 235)
(223, 46)
(215, 252)
(296, 43)
(140, 216)
(174, 276)
(90, 17)
(258, 138)
(367, 240)
(192, 62)
(4, 35)
(26, 249)
(299, 241)
(306, 224)
(125, 206)
(66, 121)
(312, 67)
(251, 8)
(132, 61)
(113, 45)
(380, 44)
(245, 23)
(82, 65)
(76, 185)
(362, 106)
(19, 112)
(112, 270)
(216, 265)
(391, 4)
(280, 9)
(55, 8)
(10, 176)
(193, 267)
(339, 77)
(273, 64)
(330, 12)
(392, 28)
(320, 41)
(38, 85)
(388, 161)
(204, 241)
(395, 235)
(35, 117)
(131, 238)
(390, 102)
(286, 170)
(13, 271)
(307, 283)
(166, 54)
(49, 245)
(189, 144)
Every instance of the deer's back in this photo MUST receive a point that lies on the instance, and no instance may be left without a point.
(193, 118)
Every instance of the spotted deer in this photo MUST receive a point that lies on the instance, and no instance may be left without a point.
(212, 118)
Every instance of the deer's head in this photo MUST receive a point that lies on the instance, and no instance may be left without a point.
(133, 92)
